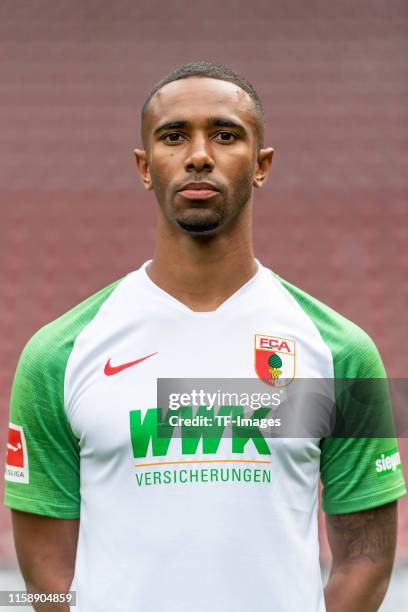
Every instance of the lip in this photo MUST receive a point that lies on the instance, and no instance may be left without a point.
(199, 185)
(198, 191)
(198, 194)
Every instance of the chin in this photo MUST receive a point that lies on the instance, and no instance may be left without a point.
(199, 229)
(201, 223)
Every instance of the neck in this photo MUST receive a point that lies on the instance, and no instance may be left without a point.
(203, 272)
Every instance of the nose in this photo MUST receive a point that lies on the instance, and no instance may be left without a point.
(199, 156)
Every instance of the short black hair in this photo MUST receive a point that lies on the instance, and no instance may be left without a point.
(213, 71)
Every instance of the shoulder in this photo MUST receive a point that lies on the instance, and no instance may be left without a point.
(353, 350)
(50, 346)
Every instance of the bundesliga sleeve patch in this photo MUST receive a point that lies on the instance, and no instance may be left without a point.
(17, 458)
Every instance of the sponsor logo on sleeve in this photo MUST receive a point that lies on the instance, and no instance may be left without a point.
(388, 462)
(17, 458)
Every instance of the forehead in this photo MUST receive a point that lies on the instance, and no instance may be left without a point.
(195, 99)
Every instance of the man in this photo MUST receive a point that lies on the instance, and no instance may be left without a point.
(170, 523)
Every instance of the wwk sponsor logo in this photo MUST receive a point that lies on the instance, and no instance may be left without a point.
(154, 431)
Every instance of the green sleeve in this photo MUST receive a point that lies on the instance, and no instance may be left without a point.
(49, 479)
(357, 472)
(42, 474)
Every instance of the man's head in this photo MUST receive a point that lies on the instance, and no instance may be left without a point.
(202, 131)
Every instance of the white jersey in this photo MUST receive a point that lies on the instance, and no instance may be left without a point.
(168, 522)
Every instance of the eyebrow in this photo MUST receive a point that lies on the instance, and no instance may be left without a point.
(212, 122)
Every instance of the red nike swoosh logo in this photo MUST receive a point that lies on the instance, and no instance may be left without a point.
(111, 370)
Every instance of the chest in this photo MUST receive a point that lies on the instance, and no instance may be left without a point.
(125, 378)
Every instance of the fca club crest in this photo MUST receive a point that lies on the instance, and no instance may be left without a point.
(275, 359)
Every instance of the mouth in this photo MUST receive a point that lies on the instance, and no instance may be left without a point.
(198, 191)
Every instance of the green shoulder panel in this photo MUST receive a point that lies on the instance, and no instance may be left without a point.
(354, 353)
(48, 482)
(353, 468)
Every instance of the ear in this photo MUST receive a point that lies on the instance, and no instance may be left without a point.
(143, 168)
(263, 164)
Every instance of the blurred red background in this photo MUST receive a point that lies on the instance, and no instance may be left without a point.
(332, 218)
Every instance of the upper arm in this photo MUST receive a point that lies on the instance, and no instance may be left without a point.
(366, 536)
(42, 467)
(46, 550)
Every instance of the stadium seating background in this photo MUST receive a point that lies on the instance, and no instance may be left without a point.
(332, 218)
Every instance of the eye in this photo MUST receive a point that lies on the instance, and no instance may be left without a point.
(173, 138)
(226, 136)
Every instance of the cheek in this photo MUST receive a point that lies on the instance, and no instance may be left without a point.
(237, 159)
(241, 170)
(162, 167)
